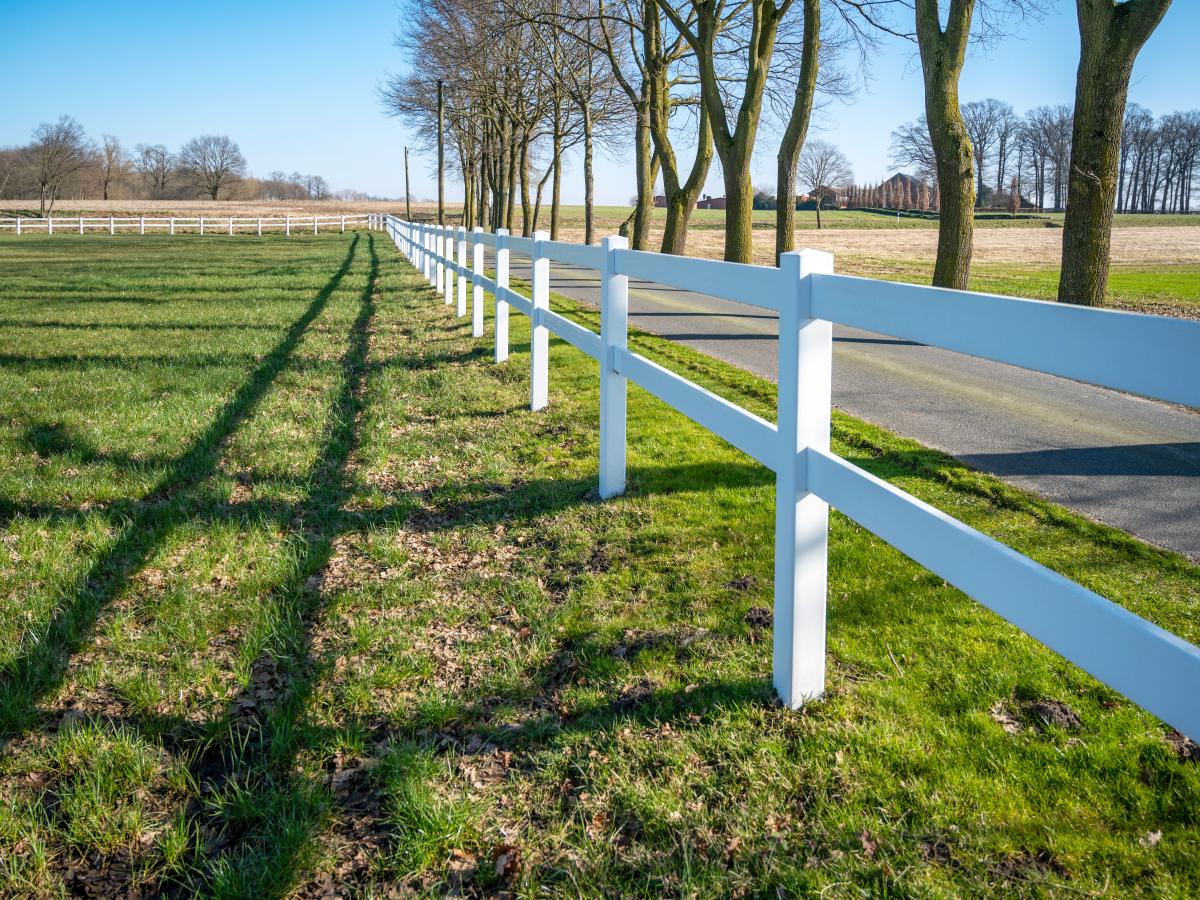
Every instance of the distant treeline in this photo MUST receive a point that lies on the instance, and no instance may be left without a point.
(1031, 153)
(62, 160)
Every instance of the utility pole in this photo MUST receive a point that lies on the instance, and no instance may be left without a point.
(441, 161)
(407, 192)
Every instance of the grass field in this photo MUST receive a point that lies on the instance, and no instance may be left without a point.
(1156, 258)
(299, 597)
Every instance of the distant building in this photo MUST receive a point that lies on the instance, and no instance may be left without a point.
(707, 202)
(660, 201)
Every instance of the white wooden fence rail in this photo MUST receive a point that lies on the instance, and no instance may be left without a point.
(1149, 355)
(179, 224)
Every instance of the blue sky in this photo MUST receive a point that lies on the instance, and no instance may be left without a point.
(294, 83)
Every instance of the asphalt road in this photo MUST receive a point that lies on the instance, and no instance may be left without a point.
(1119, 459)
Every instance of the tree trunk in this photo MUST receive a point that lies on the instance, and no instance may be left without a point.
(1121, 179)
(739, 214)
(526, 204)
(441, 156)
(644, 162)
(680, 198)
(511, 177)
(734, 144)
(556, 187)
(1110, 38)
(589, 208)
(468, 197)
(795, 132)
(942, 54)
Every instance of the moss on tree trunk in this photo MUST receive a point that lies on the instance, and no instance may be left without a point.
(1110, 37)
(942, 54)
(796, 131)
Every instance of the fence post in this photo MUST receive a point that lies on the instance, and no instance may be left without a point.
(501, 304)
(287, 225)
(231, 226)
(614, 338)
(50, 225)
(112, 225)
(141, 225)
(440, 250)
(81, 223)
(448, 263)
(476, 287)
(801, 518)
(343, 231)
(431, 254)
(314, 224)
(260, 226)
(539, 343)
(172, 225)
(462, 272)
(202, 224)
(18, 226)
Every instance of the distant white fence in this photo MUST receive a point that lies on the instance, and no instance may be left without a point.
(1149, 355)
(194, 225)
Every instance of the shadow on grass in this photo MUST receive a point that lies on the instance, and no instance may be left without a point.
(39, 668)
(255, 815)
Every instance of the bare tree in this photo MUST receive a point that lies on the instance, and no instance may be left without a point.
(316, 187)
(213, 162)
(1110, 35)
(156, 164)
(982, 120)
(912, 148)
(114, 164)
(1048, 131)
(741, 34)
(59, 149)
(823, 168)
(1008, 127)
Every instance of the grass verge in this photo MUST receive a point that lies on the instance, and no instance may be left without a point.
(299, 597)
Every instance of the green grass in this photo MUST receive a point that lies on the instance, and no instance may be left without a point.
(298, 593)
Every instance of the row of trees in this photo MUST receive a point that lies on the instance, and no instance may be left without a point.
(1158, 159)
(895, 193)
(525, 80)
(61, 159)
(1034, 148)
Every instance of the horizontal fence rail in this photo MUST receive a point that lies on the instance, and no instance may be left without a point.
(227, 225)
(1149, 355)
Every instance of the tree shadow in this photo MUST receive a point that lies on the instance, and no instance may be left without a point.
(257, 842)
(39, 668)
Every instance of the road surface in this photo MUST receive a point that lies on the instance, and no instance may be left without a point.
(1119, 459)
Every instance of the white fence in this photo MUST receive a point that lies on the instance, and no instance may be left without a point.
(1149, 355)
(227, 225)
